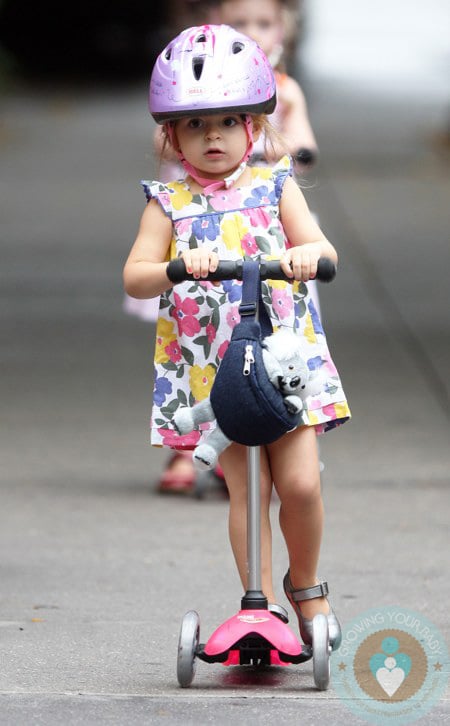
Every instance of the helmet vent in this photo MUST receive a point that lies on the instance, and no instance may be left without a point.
(197, 67)
(201, 38)
(237, 47)
(168, 54)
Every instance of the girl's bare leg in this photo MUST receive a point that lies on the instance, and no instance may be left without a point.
(234, 464)
(294, 463)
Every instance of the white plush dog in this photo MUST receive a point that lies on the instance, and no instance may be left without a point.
(287, 371)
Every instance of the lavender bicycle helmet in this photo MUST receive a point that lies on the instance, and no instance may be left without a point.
(211, 69)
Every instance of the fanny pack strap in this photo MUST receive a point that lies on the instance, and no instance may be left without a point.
(252, 307)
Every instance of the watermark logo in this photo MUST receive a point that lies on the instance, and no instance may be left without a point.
(391, 666)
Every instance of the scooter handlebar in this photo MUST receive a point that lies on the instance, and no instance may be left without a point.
(232, 270)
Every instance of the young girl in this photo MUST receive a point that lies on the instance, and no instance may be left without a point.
(210, 89)
(265, 22)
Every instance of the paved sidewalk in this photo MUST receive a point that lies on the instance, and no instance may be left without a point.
(96, 568)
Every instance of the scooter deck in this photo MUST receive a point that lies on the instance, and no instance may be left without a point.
(253, 637)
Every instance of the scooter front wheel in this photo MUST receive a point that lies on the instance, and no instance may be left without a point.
(321, 652)
(187, 648)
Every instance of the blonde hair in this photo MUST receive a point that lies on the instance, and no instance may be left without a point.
(274, 144)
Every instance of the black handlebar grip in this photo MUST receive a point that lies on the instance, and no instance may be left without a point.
(226, 270)
(271, 270)
(176, 270)
(232, 270)
(306, 157)
(326, 270)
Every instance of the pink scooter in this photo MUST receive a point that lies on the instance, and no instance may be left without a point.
(254, 636)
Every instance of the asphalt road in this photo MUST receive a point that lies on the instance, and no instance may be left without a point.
(96, 568)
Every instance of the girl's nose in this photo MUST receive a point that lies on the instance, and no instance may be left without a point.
(212, 131)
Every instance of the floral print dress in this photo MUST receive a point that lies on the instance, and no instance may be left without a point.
(196, 319)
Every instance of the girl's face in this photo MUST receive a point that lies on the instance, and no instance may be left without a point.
(261, 20)
(214, 144)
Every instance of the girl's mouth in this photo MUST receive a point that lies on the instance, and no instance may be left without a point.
(213, 153)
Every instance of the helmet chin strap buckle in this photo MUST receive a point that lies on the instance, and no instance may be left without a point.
(229, 180)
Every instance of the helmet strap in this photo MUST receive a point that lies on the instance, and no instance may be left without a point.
(210, 186)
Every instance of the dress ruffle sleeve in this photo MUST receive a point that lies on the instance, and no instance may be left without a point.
(160, 192)
(280, 172)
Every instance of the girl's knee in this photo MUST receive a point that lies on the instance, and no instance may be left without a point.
(299, 490)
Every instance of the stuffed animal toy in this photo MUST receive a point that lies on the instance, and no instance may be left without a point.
(287, 371)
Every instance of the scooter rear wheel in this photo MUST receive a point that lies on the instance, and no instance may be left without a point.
(187, 648)
(321, 652)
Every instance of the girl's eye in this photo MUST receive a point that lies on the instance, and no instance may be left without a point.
(195, 123)
(230, 121)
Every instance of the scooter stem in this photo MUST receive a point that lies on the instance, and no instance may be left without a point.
(254, 598)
